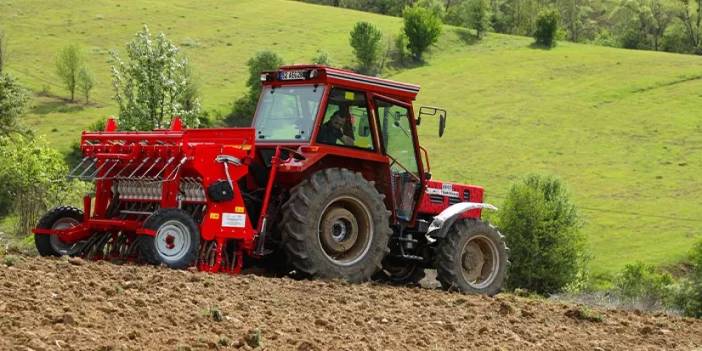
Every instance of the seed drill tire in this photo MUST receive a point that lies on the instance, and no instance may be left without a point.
(43, 241)
(148, 245)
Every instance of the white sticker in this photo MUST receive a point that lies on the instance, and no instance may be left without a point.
(237, 220)
(447, 189)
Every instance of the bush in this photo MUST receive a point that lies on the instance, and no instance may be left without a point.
(322, 58)
(688, 295)
(365, 41)
(13, 100)
(640, 284)
(32, 175)
(542, 229)
(402, 53)
(245, 107)
(422, 28)
(547, 28)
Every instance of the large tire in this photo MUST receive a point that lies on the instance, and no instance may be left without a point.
(335, 226)
(176, 242)
(62, 217)
(472, 258)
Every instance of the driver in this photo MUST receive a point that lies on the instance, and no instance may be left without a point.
(334, 130)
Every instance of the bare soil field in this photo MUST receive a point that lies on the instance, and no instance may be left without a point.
(61, 304)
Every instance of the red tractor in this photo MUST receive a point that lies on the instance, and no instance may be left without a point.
(329, 182)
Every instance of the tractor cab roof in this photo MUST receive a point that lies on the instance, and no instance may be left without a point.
(319, 74)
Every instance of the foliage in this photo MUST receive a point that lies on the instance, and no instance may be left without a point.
(641, 284)
(33, 176)
(401, 52)
(365, 41)
(322, 58)
(422, 28)
(546, 28)
(688, 297)
(3, 50)
(150, 88)
(542, 229)
(86, 83)
(69, 63)
(245, 107)
(436, 7)
(479, 16)
(13, 100)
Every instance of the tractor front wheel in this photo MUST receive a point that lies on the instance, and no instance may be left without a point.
(472, 258)
(59, 218)
(176, 239)
(335, 225)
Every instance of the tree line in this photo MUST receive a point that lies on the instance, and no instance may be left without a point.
(661, 25)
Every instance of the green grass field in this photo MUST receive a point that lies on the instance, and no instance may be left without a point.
(620, 127)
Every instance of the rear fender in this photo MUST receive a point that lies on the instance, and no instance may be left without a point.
(444, 220)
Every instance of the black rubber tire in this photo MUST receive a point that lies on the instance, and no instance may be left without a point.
(148, 250)
(390, 272)
(43, 241)
(302, 215)
(450, 252)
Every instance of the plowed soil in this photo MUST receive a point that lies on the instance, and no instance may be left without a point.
(60, 304)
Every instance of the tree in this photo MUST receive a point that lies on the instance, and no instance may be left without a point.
(86, 82)
(422, 28)
(245, 107)
(541, 225)
(437, 7)
(68, 65)
(365, 41)
(150, 88)
(546, 28)
(322, 58)
(13, 100)
(479, 16)
(692, 19)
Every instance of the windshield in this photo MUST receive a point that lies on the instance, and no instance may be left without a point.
(287, 113)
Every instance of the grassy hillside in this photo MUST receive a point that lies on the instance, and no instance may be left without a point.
(620, 127)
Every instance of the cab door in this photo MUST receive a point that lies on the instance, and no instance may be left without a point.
(397, 130)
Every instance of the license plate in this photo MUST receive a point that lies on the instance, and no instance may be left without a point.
(291, 75)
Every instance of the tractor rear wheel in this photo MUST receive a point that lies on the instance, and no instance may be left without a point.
(176, 240)
(335, 225)
(472, 258)
(64, 217)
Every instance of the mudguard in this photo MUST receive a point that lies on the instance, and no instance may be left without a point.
(444, 220)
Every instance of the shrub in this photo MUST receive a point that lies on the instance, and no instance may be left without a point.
(688, 295)
(401, 49)
(322, 58)
(13, 100)
(86, 83)
(640, 284)
(365, 41)
(245, 107)
(422, 28)
(150, 88)
(32, 175)
(547, 28)
(542, 229)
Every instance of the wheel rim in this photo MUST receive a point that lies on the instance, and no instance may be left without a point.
(479, 261)
(172, 240)
(345, 230)
(59, 246)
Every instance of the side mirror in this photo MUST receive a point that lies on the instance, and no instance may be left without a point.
(442, 125)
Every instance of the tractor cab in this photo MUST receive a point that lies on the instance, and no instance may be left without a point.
(336, 117)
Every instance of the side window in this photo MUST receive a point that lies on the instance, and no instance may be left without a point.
(346, 120)
(397, 136)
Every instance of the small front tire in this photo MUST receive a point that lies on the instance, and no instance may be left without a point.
(472, 258)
